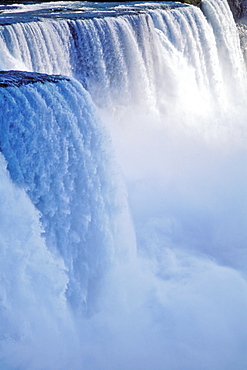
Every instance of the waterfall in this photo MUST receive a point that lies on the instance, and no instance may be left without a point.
(122, 55)
(123, 189)
(58, 152)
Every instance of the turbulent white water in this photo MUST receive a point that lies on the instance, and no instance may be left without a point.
(123, 187)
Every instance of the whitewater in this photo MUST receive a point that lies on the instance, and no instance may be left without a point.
(123, 202)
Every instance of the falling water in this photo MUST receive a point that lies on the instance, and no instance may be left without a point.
(123, 188)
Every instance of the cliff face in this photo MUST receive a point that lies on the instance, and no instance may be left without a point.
(236, 8)
(235, 5)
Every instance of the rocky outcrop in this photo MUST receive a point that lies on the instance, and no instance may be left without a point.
(193, 2)
(236, 8)
(235, 5)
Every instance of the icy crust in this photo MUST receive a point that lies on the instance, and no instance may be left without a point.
(20, 78)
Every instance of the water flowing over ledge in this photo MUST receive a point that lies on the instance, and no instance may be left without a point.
(123, 189)
(78, 10)
(18, 78)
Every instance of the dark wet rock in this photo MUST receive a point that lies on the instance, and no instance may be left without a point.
(19, 78)
(236, 8)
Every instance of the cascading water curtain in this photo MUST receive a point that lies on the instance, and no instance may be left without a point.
(123, 187)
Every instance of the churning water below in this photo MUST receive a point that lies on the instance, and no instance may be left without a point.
(123, 187)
